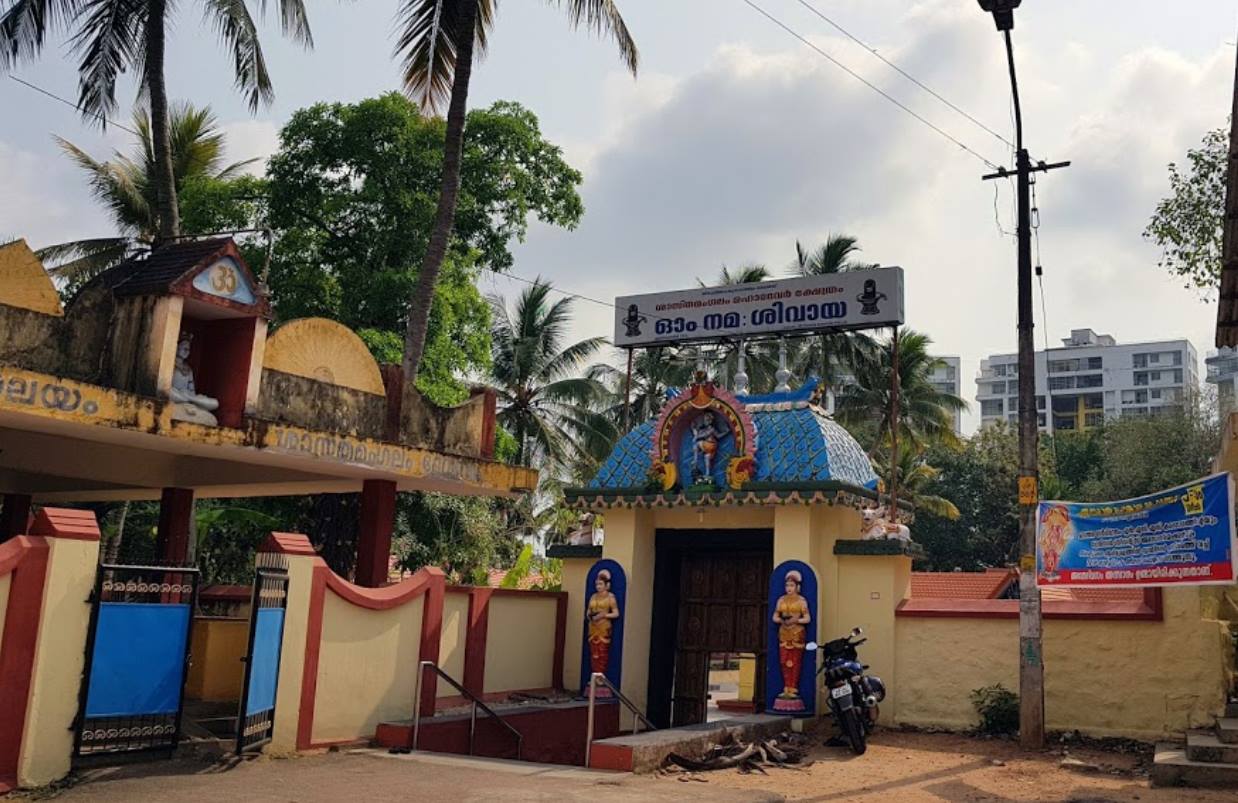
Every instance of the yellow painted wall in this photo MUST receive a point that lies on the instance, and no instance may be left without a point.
(869, 589)
(1106, 678)
(366, 668)
(520, 643)
(218, 647)
(24, 282)
(451, 642)
(575, 573)
(630, 542)
(47, 743)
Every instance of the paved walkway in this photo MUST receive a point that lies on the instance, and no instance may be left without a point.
(376, 775)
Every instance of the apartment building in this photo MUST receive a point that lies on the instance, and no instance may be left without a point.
(1091, 377)
(1222, 371)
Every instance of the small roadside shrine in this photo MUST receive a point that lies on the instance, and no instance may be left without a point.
(734, 522)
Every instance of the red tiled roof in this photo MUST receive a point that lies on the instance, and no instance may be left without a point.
(961, 585)
(1091, 594)
(495, 580)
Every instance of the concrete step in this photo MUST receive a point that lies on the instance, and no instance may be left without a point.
(1227, 729)
(1203, 745)
(1172, 767)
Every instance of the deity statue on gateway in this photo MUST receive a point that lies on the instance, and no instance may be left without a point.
(187, 403)
(706, 434)
(792, 616)
(601, 615)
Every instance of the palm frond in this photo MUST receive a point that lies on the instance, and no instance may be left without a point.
(25, 24)
(429, 67)
(109, 37)
(237, 30)
(81, 260)
(603, 17)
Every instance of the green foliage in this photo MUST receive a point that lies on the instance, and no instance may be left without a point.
(505, 446)
(209, 203)
(981, 481)
(522, 568)
(352, 194)
(460, 534)
(998, 709)
(1187, 224)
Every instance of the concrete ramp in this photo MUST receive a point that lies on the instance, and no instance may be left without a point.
(645, 752)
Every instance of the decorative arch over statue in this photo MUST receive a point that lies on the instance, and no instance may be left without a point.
(790, 673)
(325, 351)
(703, 416)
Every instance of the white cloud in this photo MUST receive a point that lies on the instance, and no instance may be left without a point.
(41, 199)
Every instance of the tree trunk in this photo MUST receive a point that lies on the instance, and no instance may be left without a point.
(445, 217)
(113, 549)
(167, 208)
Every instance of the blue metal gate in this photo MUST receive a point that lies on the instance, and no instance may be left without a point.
(137, 656)
(256, 717)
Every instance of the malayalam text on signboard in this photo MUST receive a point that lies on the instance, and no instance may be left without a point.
(861, 299)
(1182, 536)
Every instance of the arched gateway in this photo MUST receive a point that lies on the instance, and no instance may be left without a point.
(700, 505)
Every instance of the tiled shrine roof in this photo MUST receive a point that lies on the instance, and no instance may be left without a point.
(797, 443)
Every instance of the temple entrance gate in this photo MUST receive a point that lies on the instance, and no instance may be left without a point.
(255, 719)
(137, 657)
(710, 596)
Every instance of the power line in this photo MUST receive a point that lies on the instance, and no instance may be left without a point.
(867, 83)
(73, 105)
(901, 71)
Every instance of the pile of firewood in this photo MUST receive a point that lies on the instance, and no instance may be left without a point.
(782, 751)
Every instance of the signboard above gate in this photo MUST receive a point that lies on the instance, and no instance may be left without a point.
(861, 299)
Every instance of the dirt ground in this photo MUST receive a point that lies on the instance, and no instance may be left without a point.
(899, 766)
(913, 767)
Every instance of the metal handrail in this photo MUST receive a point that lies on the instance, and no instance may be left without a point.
(422, 666)
(639, 717)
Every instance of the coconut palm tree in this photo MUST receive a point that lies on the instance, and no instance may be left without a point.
(113, 36)
(744, 274)
(543, 403)
(915, 475)
(925, 414)
(125, 186)
(436, 42)
(825, 355)
(655, 371)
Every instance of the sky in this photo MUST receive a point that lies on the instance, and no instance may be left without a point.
(735, 140)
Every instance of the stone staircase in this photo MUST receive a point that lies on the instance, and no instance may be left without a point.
(1209, 758)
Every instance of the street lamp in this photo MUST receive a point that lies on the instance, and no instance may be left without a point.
(1002, 11)
(1031, 664)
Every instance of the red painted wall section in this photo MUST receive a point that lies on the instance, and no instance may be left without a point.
(475, 640)
(220, 358)
(374, 532)
(288, 544)
(59, 522)
(175, 519)
(551, 735)
(1149, 609)
(24, 558)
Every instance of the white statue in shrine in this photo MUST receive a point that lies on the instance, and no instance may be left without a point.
(187, 403)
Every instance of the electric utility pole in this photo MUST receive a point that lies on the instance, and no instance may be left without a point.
(1031, 655)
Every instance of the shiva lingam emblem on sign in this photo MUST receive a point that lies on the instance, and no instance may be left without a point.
(633, 321)
(869, 298)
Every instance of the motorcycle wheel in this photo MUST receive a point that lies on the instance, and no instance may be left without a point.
(853, 729)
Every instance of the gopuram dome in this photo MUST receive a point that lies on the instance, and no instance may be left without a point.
(710, 444)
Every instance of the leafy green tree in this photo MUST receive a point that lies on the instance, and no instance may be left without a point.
(463, 535)
(436, 42)
(1187, 224)
(352, 195)
(1146, 454)
(542, 401)
(981, 481)
(126, 187)
(114, 36)
(925, 414)
(915, 477)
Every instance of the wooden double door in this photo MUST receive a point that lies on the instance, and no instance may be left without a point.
(722, 609)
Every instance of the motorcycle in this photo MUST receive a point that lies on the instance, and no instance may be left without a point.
(853, 696)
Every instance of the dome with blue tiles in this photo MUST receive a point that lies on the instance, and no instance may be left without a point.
(797, 443)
